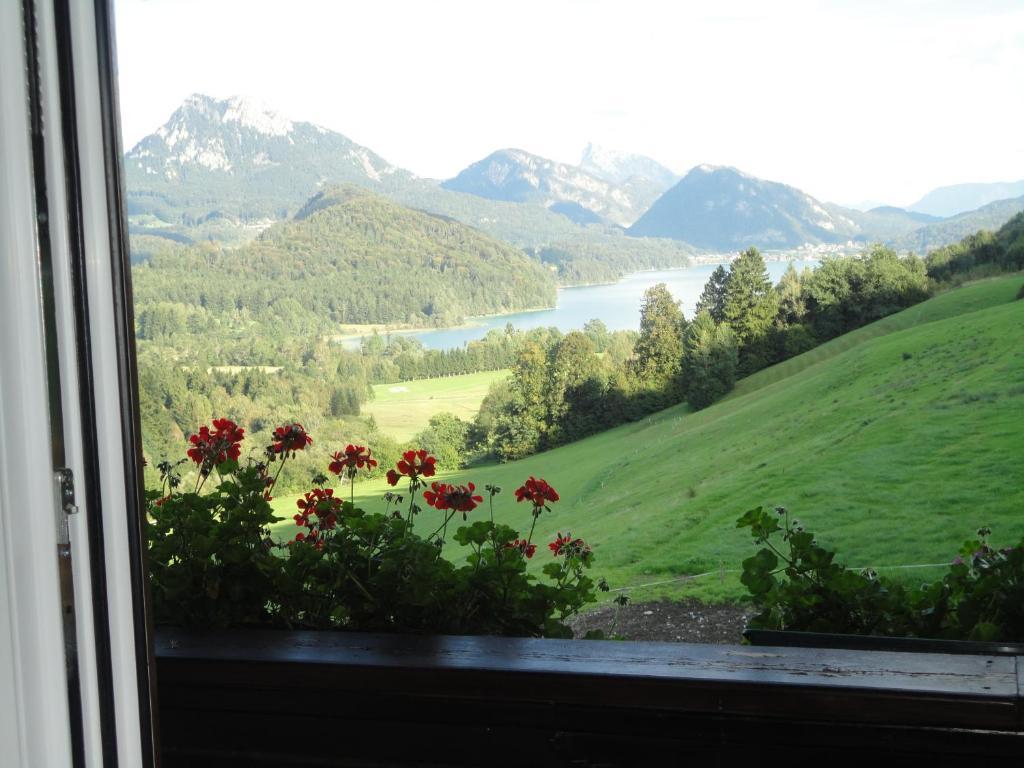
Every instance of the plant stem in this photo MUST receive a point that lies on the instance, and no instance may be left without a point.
(536, 514)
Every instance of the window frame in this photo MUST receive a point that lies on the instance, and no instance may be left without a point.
(100, 161)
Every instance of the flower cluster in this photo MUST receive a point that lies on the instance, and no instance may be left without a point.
(289, 439)
(321, 504)
(352, 459)
(525, 547)
(210, 448)
(346, 568)
(567, 546)
(459, 498)
(537, 492)
(413, 464)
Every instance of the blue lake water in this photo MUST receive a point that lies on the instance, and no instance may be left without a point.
(617, 304)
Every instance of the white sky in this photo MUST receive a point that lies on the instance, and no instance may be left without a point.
(849, 101)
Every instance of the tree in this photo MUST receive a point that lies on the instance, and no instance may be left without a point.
(710, 362)
(571, 362)
(445, 438)
(598, 333)
(792, 303)
(750, 308)
(658, 353)
(713, 297)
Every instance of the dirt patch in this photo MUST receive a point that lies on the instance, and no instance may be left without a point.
(685, 621)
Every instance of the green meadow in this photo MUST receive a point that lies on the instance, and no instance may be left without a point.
(402, 410)
(893, 443)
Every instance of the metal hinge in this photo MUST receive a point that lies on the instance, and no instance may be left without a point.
(66, 490)
(64, 480)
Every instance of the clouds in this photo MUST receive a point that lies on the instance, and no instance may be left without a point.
(846, 100)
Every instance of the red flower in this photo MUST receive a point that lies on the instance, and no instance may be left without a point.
(290, 438)
(210, 448)
(457, 497)
(319, 502)
(354, 458)
(568, 546)
(312, 539)
(413, 464)
(537, 492)
(523, 546)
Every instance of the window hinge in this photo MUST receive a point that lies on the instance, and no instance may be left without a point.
(66, 490)
(64, 480)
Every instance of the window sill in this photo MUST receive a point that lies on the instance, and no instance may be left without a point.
(290, 695)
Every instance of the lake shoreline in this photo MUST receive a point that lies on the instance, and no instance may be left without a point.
(616, 304)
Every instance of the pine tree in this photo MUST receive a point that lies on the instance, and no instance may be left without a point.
(750, 307)
(713, 297)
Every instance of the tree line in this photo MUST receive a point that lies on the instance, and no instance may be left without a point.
(565, 390)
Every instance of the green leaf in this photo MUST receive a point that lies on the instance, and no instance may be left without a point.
(228, 467)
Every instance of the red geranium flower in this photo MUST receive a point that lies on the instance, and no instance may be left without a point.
(413, 464)
(319, 502)
(457, 497)
(523, 546)
(568, 546)
(290, 438)
(355, 457)
(313, 539)
(537, 492)
(210, 448)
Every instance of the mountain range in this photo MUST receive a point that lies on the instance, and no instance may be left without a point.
(225, 169)
(517, 176)
(960, 198)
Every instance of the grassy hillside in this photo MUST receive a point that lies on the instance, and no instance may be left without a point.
(893, 443)
(404, 409)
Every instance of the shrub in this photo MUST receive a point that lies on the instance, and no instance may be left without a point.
(797, 585)
(213, 562)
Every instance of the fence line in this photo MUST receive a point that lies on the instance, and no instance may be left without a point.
(723, 571)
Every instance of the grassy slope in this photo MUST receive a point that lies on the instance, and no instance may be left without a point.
(891, 459)
(404, 409)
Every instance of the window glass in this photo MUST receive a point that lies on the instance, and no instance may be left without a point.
(579, 319)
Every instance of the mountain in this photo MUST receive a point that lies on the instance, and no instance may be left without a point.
(724, 209)
(234, 159)
(955, 228)
(886, 222)
(619, 167)
(518, 176)
(960, 198)
(348, 256)
(225, 169)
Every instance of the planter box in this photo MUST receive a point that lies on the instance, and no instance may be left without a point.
(793, 639)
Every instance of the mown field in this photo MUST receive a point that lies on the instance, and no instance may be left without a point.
(893, 443)
(403, 410)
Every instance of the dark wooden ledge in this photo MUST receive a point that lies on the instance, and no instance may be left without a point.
(326, 698)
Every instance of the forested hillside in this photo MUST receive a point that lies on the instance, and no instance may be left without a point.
(949, 231)
(348, 257)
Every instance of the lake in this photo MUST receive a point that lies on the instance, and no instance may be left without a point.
(617, 304)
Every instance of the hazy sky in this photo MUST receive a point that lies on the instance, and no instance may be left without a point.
(846, 100)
